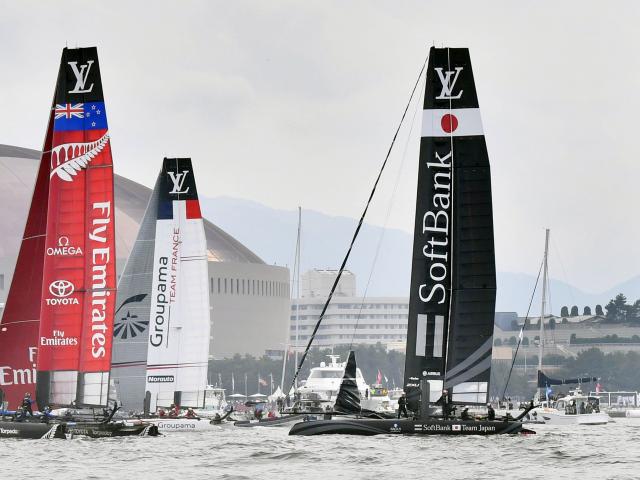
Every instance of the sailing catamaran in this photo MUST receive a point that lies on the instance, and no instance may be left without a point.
(161, 345)
(61, 300)
(453, 281)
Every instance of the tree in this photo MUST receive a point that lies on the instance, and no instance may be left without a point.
(564, 311)
(574, 311)
(572, 339)
(513, 341)
(564, 321)
(587, 310)
(552, 324)
(633, 312)
(617, 309)
(525, 341)
(599, 310)
(497, 342)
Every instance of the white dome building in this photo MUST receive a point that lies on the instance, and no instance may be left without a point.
(249, 299)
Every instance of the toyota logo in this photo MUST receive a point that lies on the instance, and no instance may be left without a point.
(61, 288)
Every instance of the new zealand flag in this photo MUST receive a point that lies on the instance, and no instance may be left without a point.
(80, 116)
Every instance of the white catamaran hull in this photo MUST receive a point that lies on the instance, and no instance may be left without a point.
(183, 425)
(560, 418)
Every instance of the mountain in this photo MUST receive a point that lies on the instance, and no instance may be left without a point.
(271, 234)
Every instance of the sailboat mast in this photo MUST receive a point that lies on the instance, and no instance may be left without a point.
(297, 274)
(544, 298)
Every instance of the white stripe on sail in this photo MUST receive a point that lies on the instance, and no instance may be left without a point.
(456, 122)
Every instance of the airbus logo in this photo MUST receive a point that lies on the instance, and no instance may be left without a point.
(61, 290)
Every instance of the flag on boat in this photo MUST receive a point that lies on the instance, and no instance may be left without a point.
(262, 381)
(379, 377)
(598, 387)
(549, 392)
(521, 334)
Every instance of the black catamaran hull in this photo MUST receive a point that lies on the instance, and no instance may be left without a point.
(103, 430)
(269, 422)
(361, 426)
(10, 429)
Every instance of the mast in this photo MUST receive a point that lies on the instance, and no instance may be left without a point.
(297, 274)
(544, 299)
(296, 279)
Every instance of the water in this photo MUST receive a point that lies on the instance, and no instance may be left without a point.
(597, 452)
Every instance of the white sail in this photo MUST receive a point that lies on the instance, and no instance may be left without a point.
(179, 329)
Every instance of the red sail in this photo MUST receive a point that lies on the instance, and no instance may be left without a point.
(78, 288)
(21, 318)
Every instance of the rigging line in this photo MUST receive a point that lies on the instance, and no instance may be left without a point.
(386, 220)
(515, 356)
(357, 231)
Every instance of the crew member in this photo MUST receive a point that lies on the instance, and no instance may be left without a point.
(46, 414)
(402, 406)
(445, 401)
(191, 413)
(26, 404)
(465, 414)
(491, 413)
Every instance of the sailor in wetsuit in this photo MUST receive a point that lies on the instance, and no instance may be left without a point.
(491, 413)
(445, 401)
(402, 406)
(26, 404)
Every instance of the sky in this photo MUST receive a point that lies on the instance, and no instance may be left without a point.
(293, 103)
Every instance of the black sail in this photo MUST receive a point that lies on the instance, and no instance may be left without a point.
(544, 381)
(348, 399)
(453, 282)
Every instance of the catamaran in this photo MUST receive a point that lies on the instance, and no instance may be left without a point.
(162, 328)
(453, 281)
(58, 319)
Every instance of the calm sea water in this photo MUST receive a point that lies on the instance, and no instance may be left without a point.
(598, 452)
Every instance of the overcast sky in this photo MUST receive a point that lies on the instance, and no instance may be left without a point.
(295, 102)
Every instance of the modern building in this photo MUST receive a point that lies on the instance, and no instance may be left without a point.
(349, 318)
(249, 299)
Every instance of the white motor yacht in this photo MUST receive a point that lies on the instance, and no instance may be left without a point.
(575, 408)
(215, 402)
(322, 386)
